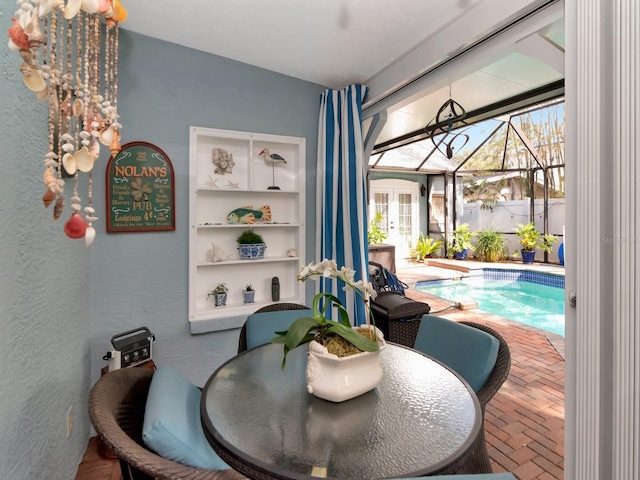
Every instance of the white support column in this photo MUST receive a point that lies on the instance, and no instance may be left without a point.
(603, 117)
(626, 331)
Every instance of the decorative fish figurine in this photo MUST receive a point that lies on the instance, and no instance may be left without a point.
(249, 215)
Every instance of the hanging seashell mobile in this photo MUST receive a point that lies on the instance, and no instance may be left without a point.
(70, 58)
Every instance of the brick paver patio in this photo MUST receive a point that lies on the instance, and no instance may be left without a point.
(524, 422)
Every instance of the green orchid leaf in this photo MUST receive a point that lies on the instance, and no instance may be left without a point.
(300, 330)
(357, 340)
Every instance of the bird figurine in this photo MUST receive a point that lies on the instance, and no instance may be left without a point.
(273, 159)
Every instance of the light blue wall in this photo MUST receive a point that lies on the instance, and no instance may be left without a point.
(59, 302)
(44, 299)
(142, 278)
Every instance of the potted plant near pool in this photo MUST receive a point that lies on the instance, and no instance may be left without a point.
(425, 247)
(490, 246)
(248, 293)
(531, 239)
(461, 241)
(220, 294)
(251, 245)
(342, 360)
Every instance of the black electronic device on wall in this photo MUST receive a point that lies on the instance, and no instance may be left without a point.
(130, 348)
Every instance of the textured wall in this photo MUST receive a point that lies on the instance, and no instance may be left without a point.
(61, 303)
(142, 278)
(44, 299)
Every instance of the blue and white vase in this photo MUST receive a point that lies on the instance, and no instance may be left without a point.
(252, 251)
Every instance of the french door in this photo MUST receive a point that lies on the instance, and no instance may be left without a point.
(397, 202)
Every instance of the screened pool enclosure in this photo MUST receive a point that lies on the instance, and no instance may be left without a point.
(493, 174)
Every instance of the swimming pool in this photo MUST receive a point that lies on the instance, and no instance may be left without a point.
(527, 297)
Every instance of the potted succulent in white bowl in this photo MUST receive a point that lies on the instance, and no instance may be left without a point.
(220, 294)
(251, 245)
(248, 294)
(342, 360)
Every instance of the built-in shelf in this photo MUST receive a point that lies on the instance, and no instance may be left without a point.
(242, 178)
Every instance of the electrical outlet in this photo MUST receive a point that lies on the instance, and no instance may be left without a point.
(69, 421)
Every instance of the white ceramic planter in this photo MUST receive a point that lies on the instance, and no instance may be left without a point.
(340, 378)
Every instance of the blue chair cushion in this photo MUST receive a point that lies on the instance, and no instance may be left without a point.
(261, 327)
(172, 425)
(468, 351)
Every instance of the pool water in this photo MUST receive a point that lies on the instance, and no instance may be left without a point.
(540, 306)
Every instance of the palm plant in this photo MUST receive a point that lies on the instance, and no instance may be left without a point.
(425, 247)
(461, 238)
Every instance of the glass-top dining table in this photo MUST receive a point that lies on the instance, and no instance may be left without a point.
(422, 419)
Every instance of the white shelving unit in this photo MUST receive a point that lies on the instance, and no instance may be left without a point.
(217, 190)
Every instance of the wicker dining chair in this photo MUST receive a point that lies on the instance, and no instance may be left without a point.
(275, 307)
(479, 461)
(116, 409)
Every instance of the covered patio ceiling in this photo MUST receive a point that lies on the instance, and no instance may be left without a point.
(520, 65)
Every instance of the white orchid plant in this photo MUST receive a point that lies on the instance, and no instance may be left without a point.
(318, 327)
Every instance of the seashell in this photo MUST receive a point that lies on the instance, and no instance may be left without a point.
(58, 208)
(72, 8)
(45, 7)
(32, 29)
(66, 137)
(86, 142)
(84, 160)
(94, 149)
(104, 5)
(91, 218)
(69, 163)
(48, 197)
(76, 207)
(68, 147)
(84, 134)
(89, 236)
(89, 6)
(50, 162)
(60, 183)
(76, 199)
(65, 106)
(106, 136)
(13, 46)
(50, 181)
(114, 147)
(18, 35)
(42, 95)
(89, 210)
(119, 12)
(51, 155)
(34, 80)
(75, 227)
(77, 107)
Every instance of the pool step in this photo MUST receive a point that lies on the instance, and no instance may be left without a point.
(457, 265)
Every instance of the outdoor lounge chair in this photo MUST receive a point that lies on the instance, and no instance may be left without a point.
(263, 332)
(116, 409)
(441, 339)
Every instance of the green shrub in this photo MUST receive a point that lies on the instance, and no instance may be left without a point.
(490, 246)
(249, 237)
(376, 235)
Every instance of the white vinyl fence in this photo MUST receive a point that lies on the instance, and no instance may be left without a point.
(504, 216)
